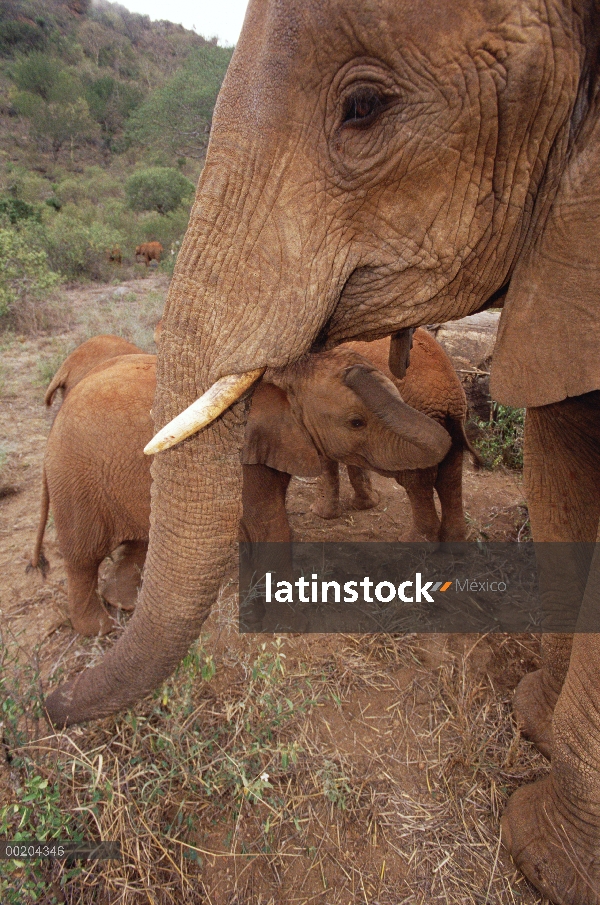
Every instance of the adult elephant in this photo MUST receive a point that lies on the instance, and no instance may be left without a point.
(374, 165)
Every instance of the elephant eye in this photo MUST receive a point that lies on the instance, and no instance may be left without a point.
(358, 423)
(362, 107)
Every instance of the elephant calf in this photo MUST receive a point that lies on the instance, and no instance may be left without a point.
(432, 386)
(98, 480)
(80, 362)
(302, 428)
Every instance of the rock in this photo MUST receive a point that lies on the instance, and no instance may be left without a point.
(470, 344)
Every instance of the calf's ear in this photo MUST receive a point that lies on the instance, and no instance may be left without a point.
(274, 437)
(547, 346)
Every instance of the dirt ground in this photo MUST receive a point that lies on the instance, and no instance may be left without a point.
(411, 753)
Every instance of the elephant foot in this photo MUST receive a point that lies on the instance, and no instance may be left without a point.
(364, 501)
(326, 510)
(95, 620)
(533, 703)
(453, 534)
(551, 851)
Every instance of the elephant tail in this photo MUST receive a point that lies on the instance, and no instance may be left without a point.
(38, 560)
(58, 381)
(460, 434)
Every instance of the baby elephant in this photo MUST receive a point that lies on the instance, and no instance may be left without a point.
(93, 352)
(97, 478)
(275, 440)
(431, 386)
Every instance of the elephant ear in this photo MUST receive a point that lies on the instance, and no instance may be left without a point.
(547, 346)
(274, 437)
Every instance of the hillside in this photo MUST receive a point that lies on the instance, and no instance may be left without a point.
(89, 97)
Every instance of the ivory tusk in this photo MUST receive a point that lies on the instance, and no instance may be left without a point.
(204, 410)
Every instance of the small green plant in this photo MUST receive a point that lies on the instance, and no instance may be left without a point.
(335, 785)
(160, 189)
(501, 439)
(37, 813)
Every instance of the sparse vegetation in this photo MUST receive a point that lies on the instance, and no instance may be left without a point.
(500, 441)
(238, 775)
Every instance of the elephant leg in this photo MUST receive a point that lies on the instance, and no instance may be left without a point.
(86, 611)
(364, 495)
(419, 488)
(264, 523)
(327, 504)
(264, 518)
(552, 827)
(562, 476)
(448, 485)
(537, 693)
(121, 584)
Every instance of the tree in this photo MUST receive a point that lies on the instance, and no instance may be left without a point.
(110, 102)
(160, 189)
(176, 118)
(50, 96)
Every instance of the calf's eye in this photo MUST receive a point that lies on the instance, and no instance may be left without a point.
(358, 422)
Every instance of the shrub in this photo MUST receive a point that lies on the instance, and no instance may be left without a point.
(38, 74)
(50, 95)
(160, 189)
(96, 185)
(501, 439)
(79, 249)
(25, 280)
(13, 209)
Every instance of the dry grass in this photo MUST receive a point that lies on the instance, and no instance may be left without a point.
(9, 480)
(374, 771)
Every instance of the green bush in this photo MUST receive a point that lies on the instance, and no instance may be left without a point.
(39, 74)
(160, 189)
(95, 186)
(17, 182)
(25, 280)
(13, 210)
(20, 37)
(501, 439)
(50, 95)
(110, 102)
(76, 248)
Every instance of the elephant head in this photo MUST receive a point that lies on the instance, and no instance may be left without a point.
(337, 405)
(372, 165)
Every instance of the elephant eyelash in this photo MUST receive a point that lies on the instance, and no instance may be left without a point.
(362, 107)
